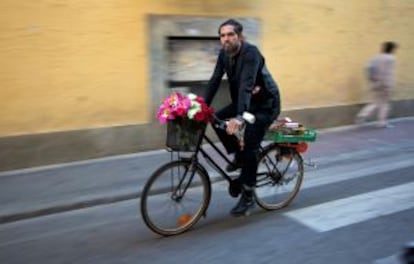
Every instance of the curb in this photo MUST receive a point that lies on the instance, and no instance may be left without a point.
(8, 218)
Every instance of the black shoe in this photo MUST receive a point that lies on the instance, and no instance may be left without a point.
(245, 203)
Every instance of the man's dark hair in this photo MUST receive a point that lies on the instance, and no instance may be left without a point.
(389, 47)
(238, 28)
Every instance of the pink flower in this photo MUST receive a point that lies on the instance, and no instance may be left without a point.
(181, 111)
(179, 106)
(164, 114)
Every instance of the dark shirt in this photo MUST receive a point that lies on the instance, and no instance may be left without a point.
(245, 71)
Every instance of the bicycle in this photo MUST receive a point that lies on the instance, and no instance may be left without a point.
(165, 195)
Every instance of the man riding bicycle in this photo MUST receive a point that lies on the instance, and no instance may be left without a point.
(252, 89)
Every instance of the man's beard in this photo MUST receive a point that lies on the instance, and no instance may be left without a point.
(231, 48)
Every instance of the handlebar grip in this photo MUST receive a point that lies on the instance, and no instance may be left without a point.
(218, 123)
(221, 124)
(247, 117)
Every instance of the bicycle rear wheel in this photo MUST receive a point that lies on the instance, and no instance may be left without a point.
(175, 197)
(279, 177)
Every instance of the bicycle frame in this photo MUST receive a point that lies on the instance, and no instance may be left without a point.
(200, 149)
(212, 161)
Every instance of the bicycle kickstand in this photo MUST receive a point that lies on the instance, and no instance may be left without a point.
(310, 163)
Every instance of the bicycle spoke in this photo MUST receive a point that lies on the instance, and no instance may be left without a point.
(185, 191)
(278, 178)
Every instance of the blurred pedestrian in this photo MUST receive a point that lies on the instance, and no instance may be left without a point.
(380, 75)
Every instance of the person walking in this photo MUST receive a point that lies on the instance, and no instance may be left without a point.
(380, 72)
(252, 89)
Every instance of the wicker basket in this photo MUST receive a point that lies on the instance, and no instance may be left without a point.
(184, 134)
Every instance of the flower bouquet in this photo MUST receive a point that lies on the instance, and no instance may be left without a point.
(186, 117)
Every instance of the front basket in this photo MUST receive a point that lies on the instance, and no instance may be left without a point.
(184, 135)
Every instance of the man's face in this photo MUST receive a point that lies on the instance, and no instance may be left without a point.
(229, 39)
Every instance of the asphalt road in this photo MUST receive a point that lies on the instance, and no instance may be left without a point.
(357, 208)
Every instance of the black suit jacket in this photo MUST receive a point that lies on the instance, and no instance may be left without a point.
(244, 71)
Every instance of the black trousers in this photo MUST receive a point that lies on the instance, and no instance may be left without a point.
(253, 136)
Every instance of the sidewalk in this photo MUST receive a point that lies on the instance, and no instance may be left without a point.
(51, 189)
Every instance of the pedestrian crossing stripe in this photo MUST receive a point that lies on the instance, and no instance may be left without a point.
(343, 212)
(321, 177)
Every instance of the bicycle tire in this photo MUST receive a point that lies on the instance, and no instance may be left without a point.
(279, 177)
(163, 184)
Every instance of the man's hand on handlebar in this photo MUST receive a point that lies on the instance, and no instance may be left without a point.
(236, 126)
(233, 125)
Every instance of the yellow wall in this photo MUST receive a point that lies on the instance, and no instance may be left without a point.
(71, 64)
(319, 49)
(76, 64)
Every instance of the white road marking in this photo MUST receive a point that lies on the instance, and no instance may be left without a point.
(394, 259)
(352, 171)
(343, 212)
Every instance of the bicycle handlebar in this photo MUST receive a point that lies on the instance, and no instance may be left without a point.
(247, 117)
(222, 124)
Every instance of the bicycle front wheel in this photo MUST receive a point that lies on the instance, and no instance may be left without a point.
(175, 197)
(279, 177)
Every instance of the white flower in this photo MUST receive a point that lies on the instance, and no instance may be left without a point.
(191, 96)
(194, 109)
